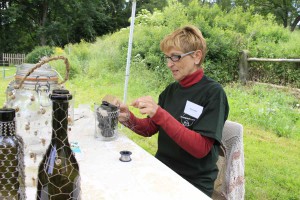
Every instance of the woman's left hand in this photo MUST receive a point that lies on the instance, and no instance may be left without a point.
(146, 105)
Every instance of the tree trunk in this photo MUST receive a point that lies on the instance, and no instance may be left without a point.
(285, 13)
(294, 24)
(43, 22)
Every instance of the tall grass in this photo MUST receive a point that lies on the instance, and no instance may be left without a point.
(6, 75)
(264, 106)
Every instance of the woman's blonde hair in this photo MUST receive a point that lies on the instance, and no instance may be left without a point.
(185, 39)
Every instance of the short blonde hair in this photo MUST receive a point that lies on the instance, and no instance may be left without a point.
(185, 39)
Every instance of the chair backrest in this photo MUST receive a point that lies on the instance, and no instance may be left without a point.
(230, 183)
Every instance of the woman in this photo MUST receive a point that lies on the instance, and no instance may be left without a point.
(190, 113)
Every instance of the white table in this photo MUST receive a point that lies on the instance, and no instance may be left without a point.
(104, 176)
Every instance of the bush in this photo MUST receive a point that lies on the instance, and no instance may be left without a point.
(226, 33)
(38, 52)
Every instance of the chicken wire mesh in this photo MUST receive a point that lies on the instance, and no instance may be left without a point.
(58, 174)
(106, 121)
(12, 176)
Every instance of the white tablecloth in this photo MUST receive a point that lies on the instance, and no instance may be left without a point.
(104, 176)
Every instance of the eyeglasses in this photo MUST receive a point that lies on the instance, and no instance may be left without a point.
(176, 58)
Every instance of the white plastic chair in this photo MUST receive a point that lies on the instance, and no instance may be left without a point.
(230, 183)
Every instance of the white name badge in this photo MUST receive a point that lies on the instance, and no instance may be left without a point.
(193, 109)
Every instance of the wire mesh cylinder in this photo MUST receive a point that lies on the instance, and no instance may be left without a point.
(58, 174)
(33, 109)
(12, 176)
(106, 121)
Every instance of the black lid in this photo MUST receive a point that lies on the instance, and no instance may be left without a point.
(60, 91)
(7, 114)
(60, 94)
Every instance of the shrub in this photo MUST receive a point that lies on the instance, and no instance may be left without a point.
(226, 33)
(38, 52)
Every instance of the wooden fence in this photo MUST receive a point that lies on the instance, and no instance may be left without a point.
(244, 60)
(13, 59)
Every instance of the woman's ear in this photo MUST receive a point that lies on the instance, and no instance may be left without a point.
(197, 56)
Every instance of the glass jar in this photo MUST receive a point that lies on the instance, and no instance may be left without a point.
(28, 94)
(106, 121)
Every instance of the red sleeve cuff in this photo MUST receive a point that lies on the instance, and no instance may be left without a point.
(145, 127)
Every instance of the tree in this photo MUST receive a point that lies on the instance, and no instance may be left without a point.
(286, 11)
(13, 37)
(25, 24)
(59, 22)
(151, 5)
(224, 4)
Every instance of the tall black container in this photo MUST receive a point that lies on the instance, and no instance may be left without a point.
(12, 176)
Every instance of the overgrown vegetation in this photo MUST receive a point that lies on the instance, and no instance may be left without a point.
(270, 108)
(226, 33)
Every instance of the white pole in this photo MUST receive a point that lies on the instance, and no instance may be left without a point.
(129, 50)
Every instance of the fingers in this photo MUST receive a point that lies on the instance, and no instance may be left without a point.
(146, 105)
(135, 103)
(124, 117)
(143, 102)
(139, 104)
(111, 99)
(124, 113)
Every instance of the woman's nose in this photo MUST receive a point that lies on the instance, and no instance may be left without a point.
(170, 63)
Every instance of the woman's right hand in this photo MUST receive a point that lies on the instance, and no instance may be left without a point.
(124, 113)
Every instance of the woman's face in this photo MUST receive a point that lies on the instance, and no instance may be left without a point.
(186, 65)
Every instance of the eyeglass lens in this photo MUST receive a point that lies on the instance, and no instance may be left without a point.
(176, 58)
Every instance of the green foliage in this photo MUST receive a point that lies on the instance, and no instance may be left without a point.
(272, 41)
(150, 5)
(285, 12)
(226, 33)
(39, 52)
(175, 14)
(144, 17)
(26, 24)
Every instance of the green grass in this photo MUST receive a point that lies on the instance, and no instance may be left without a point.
(269, 108)
(6, 75)
(270, 118)
(272, 165)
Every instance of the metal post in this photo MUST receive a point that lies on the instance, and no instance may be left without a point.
(129, 50)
